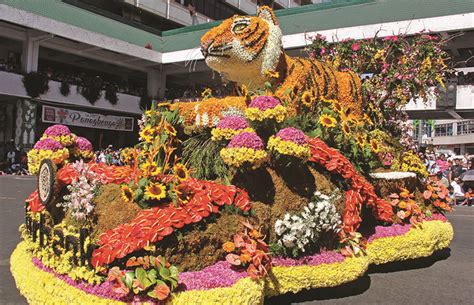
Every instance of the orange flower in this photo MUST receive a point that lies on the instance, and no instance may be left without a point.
(245, 257)
(255, 234)
(228, 246)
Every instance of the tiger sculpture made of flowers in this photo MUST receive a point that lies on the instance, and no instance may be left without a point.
(249, 51)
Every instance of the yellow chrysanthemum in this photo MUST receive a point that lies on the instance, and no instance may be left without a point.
(181, 172)
(239, 156)
(307, 99)
(127, 193)
(327, 120)
(288, 148)
(155, 191)
(374, 145)
(278, 113)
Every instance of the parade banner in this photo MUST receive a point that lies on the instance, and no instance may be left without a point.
(71, 117)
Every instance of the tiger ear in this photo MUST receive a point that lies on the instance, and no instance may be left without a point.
(267, 13)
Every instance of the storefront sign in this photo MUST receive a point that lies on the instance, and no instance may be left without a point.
(85, 119)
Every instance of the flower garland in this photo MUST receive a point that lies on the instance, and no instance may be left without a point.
(361, 191)
(266, 108)
(230, 126)
(152, 225)
(291, 142)
(207, 113)
(245, 148)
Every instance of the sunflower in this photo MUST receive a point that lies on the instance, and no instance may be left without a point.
(150, 169)
(327, 120)
(337, 107)
(360, 139)
(181, 172)
(374, 145)
(155, 191)
(170, 129)
(183, 193)
(147, 133)
(127, 193)
(164, 105)
(346, 128)
(307, 99)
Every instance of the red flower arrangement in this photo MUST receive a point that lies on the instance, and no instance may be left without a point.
(249, 250)
(107, 173)
(34, 203)
(152, 225)
(361, 190)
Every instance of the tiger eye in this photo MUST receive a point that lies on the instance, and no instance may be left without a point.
(239, 27)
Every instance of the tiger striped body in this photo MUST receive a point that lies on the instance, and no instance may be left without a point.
(248, 50)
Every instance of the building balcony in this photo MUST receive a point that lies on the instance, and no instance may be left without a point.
(168, 9)
(12, 85)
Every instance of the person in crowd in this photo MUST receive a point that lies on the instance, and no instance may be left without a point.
(102, 157)
(469, 197)
(457, 191)
(442, 163)
(447, 172)
(456, 169)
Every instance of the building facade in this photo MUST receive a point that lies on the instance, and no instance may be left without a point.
(104, 61)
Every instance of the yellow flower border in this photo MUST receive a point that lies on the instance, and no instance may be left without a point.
(38, 286)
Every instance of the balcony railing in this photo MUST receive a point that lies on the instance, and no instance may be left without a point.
(12, 85)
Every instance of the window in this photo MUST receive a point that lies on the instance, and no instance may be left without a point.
(465, 127)
(442, 130)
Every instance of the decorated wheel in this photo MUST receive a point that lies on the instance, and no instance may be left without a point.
(46, 182)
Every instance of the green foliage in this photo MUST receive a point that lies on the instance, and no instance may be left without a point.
(149, 275)
(35, 83)
(202, 155)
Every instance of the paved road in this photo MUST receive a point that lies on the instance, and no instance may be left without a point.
(448, 278)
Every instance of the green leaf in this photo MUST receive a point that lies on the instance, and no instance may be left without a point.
(142, 182)
(129, 276)
(152, 274)
(268, 86)
(140, 274)
(165, 273)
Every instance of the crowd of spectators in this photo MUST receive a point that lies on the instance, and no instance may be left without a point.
(194, 93)
(452, 171)
(109, 156)
(13, 161)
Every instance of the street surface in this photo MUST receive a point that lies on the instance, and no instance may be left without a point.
(446, 278)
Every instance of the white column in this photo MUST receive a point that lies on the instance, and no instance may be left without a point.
(156, 83)
(30, 53)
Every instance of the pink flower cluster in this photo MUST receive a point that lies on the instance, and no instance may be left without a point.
(246, 139)
(264, 102)
(48, 144)
(57, 130)
(233, 122)
(83, 144)
(292, 134)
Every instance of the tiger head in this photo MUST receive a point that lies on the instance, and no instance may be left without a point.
(243, 48)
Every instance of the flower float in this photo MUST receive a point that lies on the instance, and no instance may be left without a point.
(266, 108)
(178, 223)
(245, 148)
(230, 126)
(290, 142)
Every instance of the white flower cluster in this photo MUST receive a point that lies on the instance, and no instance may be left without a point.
(82, 192)
(393, 175)
(301, 231)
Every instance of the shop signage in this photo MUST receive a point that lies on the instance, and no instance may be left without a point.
(85, 119)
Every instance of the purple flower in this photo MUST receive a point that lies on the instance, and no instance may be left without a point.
(264, 102)
(246, 139)
(233, 122)
(220, 274)
(83, 144)
(292, 134)
(48, 144)
(57, 130)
